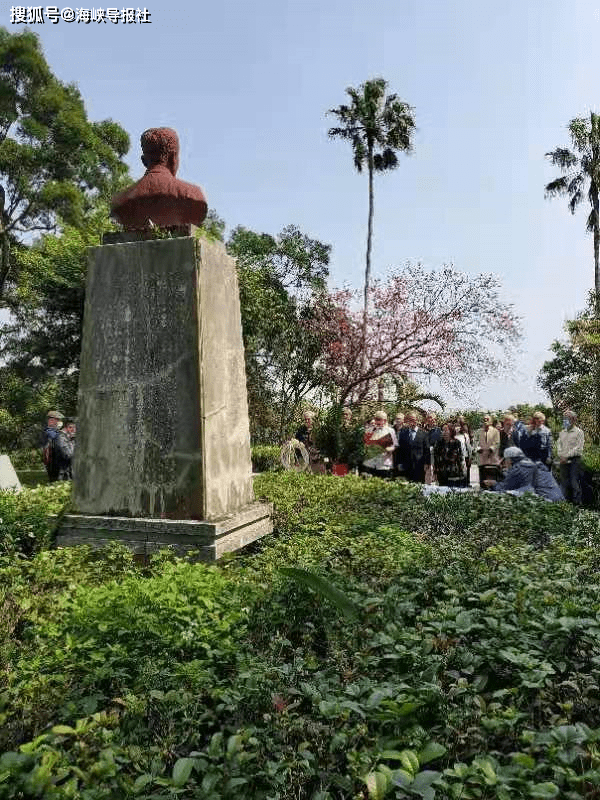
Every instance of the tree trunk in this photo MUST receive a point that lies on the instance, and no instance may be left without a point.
(368, 264)
(596, 433)
(595, 198)
(5, 262)
(369, 234)
(597, 261)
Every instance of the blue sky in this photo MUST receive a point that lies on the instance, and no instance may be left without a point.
(247, 85)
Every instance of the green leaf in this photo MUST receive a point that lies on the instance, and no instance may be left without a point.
(64, 730)
(182, 770)
(423, 781)
(524, 760)
(318, 584)
(141, 782)
(233, 783)
(464, 621)
(377, 784)
(488, 770)
(410, 762)
(391, 755)
(547, 789)
(234, 743)
(430, 752)
(400, 777)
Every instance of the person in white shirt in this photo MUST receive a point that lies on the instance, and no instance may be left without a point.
(569, 450)
(380, 443)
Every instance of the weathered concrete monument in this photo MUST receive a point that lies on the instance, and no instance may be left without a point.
(163, 454)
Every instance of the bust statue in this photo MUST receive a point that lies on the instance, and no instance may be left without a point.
(159, 198)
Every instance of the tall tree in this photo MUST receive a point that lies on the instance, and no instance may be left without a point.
(54, 162)
(377, 126)
(581, 178)
(581, 168)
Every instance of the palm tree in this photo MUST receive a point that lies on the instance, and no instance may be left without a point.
(377, 126)
(581, 172)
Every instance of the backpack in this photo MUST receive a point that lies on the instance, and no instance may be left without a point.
(48, 453)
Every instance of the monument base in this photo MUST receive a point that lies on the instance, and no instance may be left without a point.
(209, 540)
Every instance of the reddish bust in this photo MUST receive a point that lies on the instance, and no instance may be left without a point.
(159, 197)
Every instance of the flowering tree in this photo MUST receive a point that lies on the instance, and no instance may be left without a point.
(444, 323)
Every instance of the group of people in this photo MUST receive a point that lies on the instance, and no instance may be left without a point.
(526, 454)
(511, 455)
(419, 452)
(58, 446)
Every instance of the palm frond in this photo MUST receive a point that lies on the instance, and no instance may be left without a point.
(574, 201)
(562, 157)
(385, 160)
(556, 187)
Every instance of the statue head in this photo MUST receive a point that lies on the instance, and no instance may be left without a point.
(160, 146)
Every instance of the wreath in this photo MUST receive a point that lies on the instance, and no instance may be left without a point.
(294, 456)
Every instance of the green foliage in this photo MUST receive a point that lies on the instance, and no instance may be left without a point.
(266, 457)
(379, 644)
(581, 178)
(25, 524)
(54, 162)
(213, 227)
(339, 442)
(318, 584)
(591, 457)
(23, 407)
(569, 376)
(279, 278)
(27, 458)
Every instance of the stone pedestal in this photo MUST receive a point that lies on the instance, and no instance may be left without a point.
(163, 429)
(8, 476)
(207, 540)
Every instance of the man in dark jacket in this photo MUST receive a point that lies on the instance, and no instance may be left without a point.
(413, 448)
(526, 476)
(64, 447)
(53, 426)
(538, 444)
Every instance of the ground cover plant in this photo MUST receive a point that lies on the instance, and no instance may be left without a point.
(378, 645)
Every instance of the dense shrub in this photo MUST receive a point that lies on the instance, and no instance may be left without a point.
(434, 648)
(265, 458)
(30, 458)
(25, 523)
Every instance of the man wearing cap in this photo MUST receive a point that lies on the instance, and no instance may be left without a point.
(53, 426)
(569, 449)
(526, 476)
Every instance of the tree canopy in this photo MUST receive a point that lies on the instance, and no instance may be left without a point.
(569, 377)
(54, 162)
(280, 278)
(440, 322)
(581, 178)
